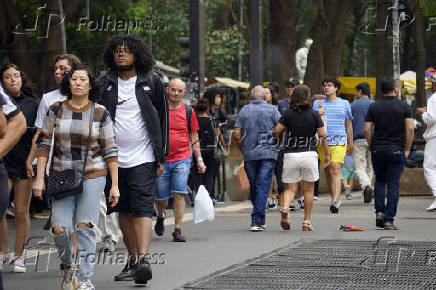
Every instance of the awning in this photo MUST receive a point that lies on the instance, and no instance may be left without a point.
(348, 84)
(228, 82)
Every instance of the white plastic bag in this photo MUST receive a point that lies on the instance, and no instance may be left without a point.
(203, 206)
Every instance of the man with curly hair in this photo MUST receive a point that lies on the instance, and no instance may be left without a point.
(137, 103)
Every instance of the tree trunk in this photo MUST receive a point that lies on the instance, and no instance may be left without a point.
(407, 42)
(55, 43)
(15, 41)
(337, 12)
(381, 57)
(282, 42)
(419, 28)
(325, 54)
(350, 40)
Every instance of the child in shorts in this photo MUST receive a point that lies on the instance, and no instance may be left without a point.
(347, 175)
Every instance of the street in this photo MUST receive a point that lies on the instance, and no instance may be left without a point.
(213, 246)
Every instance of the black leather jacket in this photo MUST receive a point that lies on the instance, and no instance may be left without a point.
(152, 101)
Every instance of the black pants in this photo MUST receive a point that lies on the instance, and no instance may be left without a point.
(278, 171)
(208, 178)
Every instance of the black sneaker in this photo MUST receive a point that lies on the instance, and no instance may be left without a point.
(128, 273)
(379, 220)
(159, 227)
(177, 236)
(291, 208)
(367, 194)
(301, 203)
(143, 272)
(334, 207)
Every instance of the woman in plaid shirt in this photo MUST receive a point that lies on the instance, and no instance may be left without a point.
(70, 122)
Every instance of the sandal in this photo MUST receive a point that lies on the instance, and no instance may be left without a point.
(285, 221)
(307, 226)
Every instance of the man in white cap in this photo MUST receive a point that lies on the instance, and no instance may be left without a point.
(429, 118)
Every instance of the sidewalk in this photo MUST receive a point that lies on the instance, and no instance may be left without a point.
(213, 246)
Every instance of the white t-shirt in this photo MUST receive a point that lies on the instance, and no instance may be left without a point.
(48, 99)
(131, 135)
(8, 106)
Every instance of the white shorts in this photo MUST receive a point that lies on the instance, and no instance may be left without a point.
(300, 166)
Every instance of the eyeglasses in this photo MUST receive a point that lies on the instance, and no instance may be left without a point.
(122, 51)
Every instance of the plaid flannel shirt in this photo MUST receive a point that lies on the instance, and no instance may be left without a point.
(71, 134)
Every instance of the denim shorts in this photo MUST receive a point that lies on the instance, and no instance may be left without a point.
(174, 179)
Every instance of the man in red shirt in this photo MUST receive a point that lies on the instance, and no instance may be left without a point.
(174, 179)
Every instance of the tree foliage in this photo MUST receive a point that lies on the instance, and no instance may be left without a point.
(170, 19)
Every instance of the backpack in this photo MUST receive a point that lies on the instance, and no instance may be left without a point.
(188, 110)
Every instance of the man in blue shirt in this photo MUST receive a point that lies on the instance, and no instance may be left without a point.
(362, 154)
(257, 121)
(284, 104)
(339, 136)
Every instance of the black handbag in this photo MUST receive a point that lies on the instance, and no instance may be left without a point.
(70, 181)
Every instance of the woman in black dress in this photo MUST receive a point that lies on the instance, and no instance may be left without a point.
(23, 94)
(208, 140)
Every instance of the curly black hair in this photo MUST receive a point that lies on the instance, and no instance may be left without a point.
(94, 93)
(143, 58)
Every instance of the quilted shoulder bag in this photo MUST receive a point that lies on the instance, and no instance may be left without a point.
(70, 181)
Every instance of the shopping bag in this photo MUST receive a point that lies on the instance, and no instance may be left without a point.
(203, 206)
(242, 178)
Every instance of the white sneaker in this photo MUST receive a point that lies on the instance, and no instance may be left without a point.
(432, 206)
(69, 282)
(270, 203)
(256, 228)
(85, 284)
(19, 266)
(348, 192)
(4, 259)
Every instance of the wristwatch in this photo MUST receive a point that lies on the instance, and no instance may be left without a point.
(200, 158)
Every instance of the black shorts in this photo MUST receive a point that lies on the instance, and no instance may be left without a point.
(137, 190)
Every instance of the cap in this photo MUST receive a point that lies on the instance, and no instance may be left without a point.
(433, 78)
(292, 81)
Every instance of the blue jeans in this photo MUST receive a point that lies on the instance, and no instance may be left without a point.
(83, 208)
(388, 166)
(174, 179)
(259, 173)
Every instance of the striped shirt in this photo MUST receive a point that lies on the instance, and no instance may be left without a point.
(337, 112)
(71, 134)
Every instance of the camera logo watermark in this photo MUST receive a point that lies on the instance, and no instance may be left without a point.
(40, 252)
(392, 256)
(103, 23)
(405, 18)
(106, 24)
(56, 18)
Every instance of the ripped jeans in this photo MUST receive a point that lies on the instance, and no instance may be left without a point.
(69, 211)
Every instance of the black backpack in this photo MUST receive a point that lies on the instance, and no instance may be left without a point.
(188, 110)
